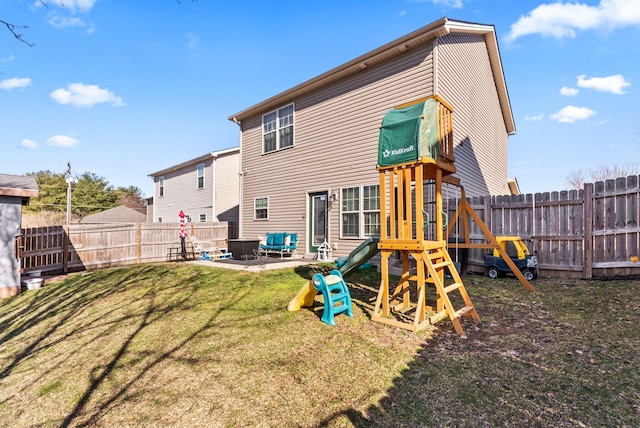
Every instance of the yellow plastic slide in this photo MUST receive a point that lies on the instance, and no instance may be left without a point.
(354, 260)
(304, 297)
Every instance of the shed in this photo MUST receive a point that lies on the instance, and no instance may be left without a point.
(15, 191)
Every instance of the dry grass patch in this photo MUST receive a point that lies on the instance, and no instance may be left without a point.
(186, 345)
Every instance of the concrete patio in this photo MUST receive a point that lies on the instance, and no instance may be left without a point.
(253, 265)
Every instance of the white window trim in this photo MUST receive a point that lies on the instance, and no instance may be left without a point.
(161, 186)
(277, 130)
(361, 211)
(255, 209)
(198, 176)
(201, 217)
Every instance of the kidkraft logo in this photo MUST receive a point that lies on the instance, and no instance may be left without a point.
(397, 152)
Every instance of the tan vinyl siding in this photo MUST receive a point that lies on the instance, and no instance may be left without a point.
(227, 187)
(465, 80)
(336, 137)
(181, 193)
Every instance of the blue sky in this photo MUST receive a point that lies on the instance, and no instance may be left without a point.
(125, 88)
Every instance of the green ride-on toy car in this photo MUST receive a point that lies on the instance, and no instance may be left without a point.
(519, 253)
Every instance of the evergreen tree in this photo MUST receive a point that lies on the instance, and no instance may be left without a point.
(90, 194)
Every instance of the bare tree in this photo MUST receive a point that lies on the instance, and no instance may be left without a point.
(576, 179)
(14, 30)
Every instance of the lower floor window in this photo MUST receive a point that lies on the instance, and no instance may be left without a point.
(203, 218)
(360, 211)
(261, 208)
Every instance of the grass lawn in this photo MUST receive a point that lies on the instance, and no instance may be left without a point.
(187, 345)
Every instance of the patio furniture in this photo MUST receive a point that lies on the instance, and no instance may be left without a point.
(279, 243)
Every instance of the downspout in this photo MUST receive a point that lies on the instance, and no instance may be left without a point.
(435, 66)
(241, 173)
(214, 191)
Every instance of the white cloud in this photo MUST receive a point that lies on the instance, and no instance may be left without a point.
(454, 4)
(15, 82)
(614, 84)
(10, 58)
(565, 19)
(72, 5)
(535, 118)
(571, 114)
(568, 92)
(58, 21)
(193, 45)
(193, 41)
(29, 144)
(62, 141)
(81, 95)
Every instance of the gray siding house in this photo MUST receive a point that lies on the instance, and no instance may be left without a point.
(15, 191)
(309, 154)
(206, 189)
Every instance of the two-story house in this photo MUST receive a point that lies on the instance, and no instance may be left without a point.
(309, 154)
(206, 189)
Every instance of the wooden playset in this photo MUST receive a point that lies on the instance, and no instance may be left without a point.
(420, 136)
(415, 158)
(421, 133)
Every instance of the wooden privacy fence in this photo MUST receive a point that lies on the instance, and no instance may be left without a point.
(92, 246)
(593, 232)
(582, 234)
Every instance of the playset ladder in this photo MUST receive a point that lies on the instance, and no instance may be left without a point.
(433, 265)
(438, 261)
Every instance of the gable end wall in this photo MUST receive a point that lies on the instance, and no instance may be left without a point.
(465, 80)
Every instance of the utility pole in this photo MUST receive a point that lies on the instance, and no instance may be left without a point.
(70, 180)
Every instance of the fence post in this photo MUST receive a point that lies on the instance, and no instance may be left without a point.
(138, 242)
(65, 249)
(487, 217)
(587, 246)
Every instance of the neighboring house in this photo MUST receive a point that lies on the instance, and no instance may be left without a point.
(150, 210)
(119, 214)
(15, 191)
(206, 188)
(309, 154)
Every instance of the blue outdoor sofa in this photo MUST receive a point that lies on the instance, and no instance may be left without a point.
(279, 243)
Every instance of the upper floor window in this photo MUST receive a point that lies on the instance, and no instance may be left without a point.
(200, 175)
(161, 186)
(360, 211)
(277, 129)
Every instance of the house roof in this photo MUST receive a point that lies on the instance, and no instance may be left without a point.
(420, 37)
(193, 161)
(119, 214)
(514, 187)
(18, 185)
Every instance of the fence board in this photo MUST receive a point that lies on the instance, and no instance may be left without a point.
(92, 246)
